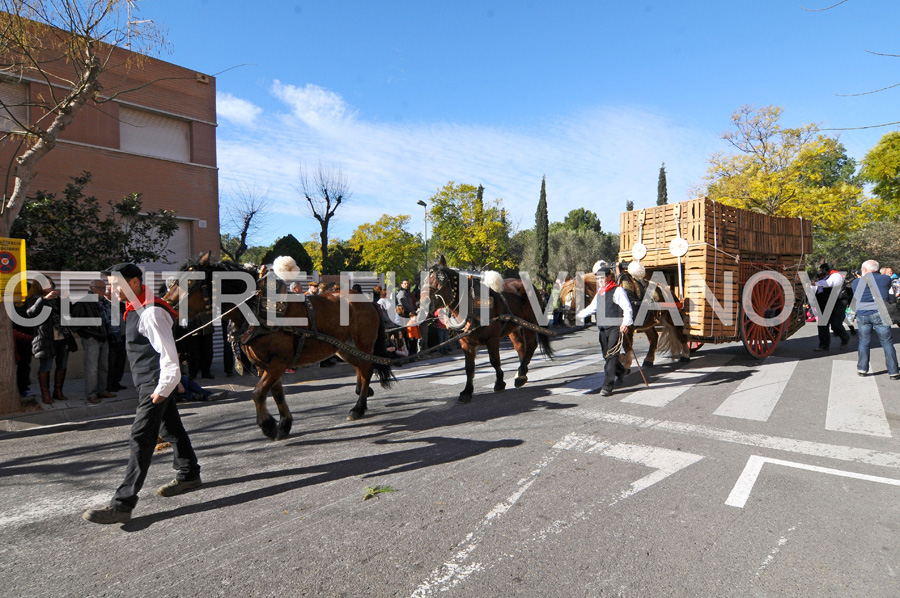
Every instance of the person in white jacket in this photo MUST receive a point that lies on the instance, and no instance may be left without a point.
(614, 316)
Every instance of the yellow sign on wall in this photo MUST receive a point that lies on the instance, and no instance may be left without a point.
(12, 261)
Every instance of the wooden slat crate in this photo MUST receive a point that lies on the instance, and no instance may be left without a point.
(720, 239)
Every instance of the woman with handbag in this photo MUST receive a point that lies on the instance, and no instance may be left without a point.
(52, 341)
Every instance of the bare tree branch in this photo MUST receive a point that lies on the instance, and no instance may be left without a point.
(248, 209)
(324, 193)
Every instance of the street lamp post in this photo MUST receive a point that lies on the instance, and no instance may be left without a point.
(425, 205)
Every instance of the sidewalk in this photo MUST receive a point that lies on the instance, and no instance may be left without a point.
(77, 408)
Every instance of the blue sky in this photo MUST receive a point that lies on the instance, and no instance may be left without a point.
(403, 97)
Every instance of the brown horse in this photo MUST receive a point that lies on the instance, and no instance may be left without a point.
(672, 340)
(273, 349)
(508, 297)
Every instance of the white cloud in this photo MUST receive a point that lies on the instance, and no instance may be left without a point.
(597, 160)
(312, 104)
(238, 111)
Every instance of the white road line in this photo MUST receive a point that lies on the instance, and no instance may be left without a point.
(664, 462)
(674, 384)
(741, 491)
(804, 447)
(483, 367)
(455, 571)
(854, 404)
(549, 371)
(757, 395)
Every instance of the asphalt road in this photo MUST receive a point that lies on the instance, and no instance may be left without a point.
(725, 477)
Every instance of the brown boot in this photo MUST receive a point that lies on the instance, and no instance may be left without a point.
(58, 386)
(44, 381)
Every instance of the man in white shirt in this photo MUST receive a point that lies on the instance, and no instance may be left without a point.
(614, 317)
(830, 282)
(154, 368)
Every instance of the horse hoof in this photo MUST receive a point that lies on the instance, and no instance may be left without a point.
(684, 359)
(647, 363)
(269, 428)
(499, 386)
(520, 381)
(371, 392)
(284, 429)
(464, 398)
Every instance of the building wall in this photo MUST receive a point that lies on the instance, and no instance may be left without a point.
(92, 143)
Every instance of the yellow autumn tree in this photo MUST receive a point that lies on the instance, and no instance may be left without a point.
(386, 246)
(470, 233)
(786, 171)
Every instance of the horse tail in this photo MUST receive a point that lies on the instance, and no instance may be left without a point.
(543, 339)
(668, 340)
(383, 371)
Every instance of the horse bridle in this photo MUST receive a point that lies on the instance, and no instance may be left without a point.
(204, 289)
(441, 277)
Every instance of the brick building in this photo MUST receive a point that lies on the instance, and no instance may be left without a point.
(158, 140)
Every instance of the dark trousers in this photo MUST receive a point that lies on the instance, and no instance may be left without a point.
(836, 323)
(23, 366)
(150, 421)
(609, 341)
(116, 363)
(201, 355)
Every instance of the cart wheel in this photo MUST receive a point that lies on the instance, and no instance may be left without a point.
(694, 345)
(767, 299)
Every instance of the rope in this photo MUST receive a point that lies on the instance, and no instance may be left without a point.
(214, 320)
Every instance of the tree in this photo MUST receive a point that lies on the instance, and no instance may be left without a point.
(662, 194)
(289, 245)
(541, 232)
(783, 171)
(468, 233)
(68, 45)
(881, 167)
(51, 227)
(324, 194)
(386, 246)
(247, 209)
(629, 206)
(580, 219)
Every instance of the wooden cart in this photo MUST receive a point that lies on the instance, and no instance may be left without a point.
(699, 243)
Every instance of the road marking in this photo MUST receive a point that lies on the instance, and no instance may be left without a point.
(741, 491)
(854, 404)
(483, 368)
(804, 447)
(663, 462)
(757, 395)
(674, 384)
(771, 556)
(38, 509)
(549, 371)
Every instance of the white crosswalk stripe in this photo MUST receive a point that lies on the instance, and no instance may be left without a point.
(854, 404)
(676, 383)
(757, 395)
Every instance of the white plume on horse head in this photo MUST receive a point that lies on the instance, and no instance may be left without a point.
(493, 280)
(598, 265)
(636, 270)
(285, 267)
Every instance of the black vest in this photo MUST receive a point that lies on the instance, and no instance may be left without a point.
(142, 357)
(612, 314)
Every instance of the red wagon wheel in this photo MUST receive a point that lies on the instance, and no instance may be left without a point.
(767, 299)
(694, 345)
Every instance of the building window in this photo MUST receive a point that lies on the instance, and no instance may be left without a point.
(14, 98)
(150, 134)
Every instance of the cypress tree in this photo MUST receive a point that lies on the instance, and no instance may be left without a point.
(629, 206)
(542, 236)
(662, 195)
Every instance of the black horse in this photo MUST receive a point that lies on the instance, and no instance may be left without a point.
(504, 297)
